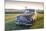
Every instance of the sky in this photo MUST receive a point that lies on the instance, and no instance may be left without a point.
(28, 0)
(22, 5)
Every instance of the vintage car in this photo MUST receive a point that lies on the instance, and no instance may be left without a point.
(26, 18)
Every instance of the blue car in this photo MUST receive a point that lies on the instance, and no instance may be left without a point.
(26, 18)
(23, 20)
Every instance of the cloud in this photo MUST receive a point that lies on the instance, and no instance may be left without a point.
(27, 0)
(17, 5)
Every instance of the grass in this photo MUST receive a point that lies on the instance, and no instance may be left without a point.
(10, 22)
(39, 23)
